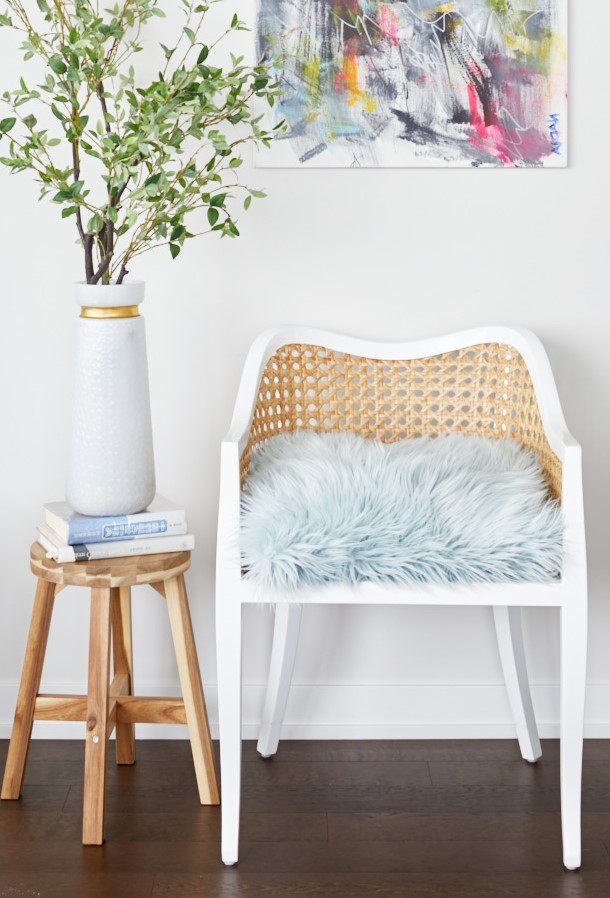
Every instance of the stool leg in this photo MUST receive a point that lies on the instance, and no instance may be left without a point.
(28, 689)
(192, 692)
(123, 664)
(97, 717)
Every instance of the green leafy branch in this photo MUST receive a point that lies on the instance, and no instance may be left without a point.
(138, 166)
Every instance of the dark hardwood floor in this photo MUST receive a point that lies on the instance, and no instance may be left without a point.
(321, 820)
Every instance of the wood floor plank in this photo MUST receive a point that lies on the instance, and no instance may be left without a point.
(140, 857)
(512, 773)
(299, 857)
(35, 799)
(341, 750)
(270, 798)
(236, 884)
(451, 798)
(543, 773)
(491, 856)
(398, 826)
(330, 750)
(57, 772)
(24, 825)
(363, 774)
(193, 826)
(77, 885)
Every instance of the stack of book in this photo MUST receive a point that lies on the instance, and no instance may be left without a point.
(67, 536)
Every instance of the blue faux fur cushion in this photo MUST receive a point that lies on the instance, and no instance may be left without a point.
(323, 508)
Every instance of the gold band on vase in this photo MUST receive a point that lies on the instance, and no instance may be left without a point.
(109, 312)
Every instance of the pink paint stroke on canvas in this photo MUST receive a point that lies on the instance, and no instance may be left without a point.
(468, 82)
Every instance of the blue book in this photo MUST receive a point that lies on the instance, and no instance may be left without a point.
(161, 518)
(57, 549)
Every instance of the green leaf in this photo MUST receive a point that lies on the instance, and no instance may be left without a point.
(71, 210)
(213, 215)
(190, 34)
(174, 249)
(203, 54)
(218, 200)
(7, 124)
(95, 224)
(58, 65)
(247, 202)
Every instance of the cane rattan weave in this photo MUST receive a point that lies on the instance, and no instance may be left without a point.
(483, 390)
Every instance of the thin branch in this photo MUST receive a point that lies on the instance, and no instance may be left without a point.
(100, 93)
(128, 257)
(88, 245)
(76, 176)
(99, 274)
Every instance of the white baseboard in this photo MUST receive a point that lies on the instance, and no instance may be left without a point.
(444, 711)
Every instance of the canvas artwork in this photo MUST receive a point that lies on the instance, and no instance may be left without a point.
(416, 83)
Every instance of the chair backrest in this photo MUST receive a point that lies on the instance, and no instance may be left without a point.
(483, 390)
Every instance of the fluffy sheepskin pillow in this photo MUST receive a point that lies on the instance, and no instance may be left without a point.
(325, 508)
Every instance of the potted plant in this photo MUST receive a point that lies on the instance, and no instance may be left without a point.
(136, 164)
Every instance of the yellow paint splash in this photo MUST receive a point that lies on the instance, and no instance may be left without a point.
(433, 14)
(354, 91)
(547, 53)
(311, 77)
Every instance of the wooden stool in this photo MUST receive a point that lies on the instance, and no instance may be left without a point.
(109, 705)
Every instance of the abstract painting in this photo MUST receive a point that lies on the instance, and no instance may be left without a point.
(415, 83)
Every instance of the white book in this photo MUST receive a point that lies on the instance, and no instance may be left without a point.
(59, 550)
(161, 518)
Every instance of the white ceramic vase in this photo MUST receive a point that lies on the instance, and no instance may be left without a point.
(110, 463)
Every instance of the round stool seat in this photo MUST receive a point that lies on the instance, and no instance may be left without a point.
(131, 570)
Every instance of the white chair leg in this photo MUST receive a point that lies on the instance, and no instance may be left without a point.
(229, 644)
(509, 634)
(283, 654)
(573, 678)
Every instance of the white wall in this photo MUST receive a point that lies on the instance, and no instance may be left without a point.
(390, 254)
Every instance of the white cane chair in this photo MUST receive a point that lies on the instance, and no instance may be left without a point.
(492, 381)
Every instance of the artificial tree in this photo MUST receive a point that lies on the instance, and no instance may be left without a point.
(137, 163)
